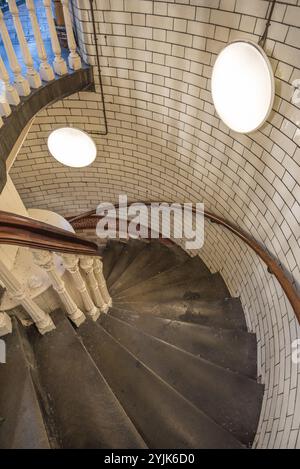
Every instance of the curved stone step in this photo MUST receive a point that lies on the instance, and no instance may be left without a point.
(163, 417)
(230, 399)
(154, 259)
(227, 313)
(110, 255)
(212, 287)
(180, 253)
(86, 412)
(21, 420)
(232, 349)
(189, 271)
(126, 257)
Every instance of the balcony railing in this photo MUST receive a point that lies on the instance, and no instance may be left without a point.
(27, 58)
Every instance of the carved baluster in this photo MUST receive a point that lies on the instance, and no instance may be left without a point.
(74, 58)
(98, 271)
(59, 63)
(21, 83)
(33, 77)
(87, 265)
(45, 260)
(5, 324)
(9, 94)
(5, 109)
(46, 71)
(71, 263)
(42, 320)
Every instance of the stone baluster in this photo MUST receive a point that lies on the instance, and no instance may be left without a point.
(46, 71)
(87, 265)
(42, 320)
(5, 109)
(32, 76)
(5, 324)
(9, 94)
(74, 58)
(1, 122)
(98, 271)
(45, 260)
(71, 263)
(21, 83)
(59, 64)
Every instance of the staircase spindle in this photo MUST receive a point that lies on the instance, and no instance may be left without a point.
(74, 58)
(9, 95)
(45, 260)
(21, 83)
(42, 320)
(59, 64)
(46, 71)
(71, 263)
(33, 77)
(98, 271)
(5, 109)
(87, 265)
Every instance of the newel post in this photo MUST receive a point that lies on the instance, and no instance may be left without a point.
(44, 259)
(71, 263)
(42, 320)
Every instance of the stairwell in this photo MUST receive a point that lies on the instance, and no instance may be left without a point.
(173, 353)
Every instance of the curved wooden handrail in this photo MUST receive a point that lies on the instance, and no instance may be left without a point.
(272, 264)
(23, 231)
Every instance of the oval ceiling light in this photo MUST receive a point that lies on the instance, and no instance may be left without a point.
(72, 147)
(243, 88)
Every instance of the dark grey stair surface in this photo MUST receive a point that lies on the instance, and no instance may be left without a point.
(228, 398)
(153, 260)
(209, 287)
(21, 420)
(164, 418)
(110, 255)
(85, 410)
(188, 272)
(171, 365)
(227, 314)
(130, 250)
(233, 349)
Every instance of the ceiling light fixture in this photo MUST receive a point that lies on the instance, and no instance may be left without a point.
(72, 147)
(243, 88)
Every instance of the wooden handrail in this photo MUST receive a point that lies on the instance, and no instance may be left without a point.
(272, 264)
(23, 231)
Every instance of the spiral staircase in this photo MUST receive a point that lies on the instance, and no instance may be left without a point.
(171, 365)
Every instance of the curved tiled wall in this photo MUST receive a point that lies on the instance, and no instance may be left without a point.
(166, 142)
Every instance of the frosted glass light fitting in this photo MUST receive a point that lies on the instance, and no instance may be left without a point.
(72, 147)
(243, 87)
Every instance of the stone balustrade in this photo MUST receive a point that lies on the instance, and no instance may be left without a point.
(25, 68)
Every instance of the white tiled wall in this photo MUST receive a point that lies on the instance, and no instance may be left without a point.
(166, 142)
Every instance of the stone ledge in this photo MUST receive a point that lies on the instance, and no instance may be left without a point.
(29, 106)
